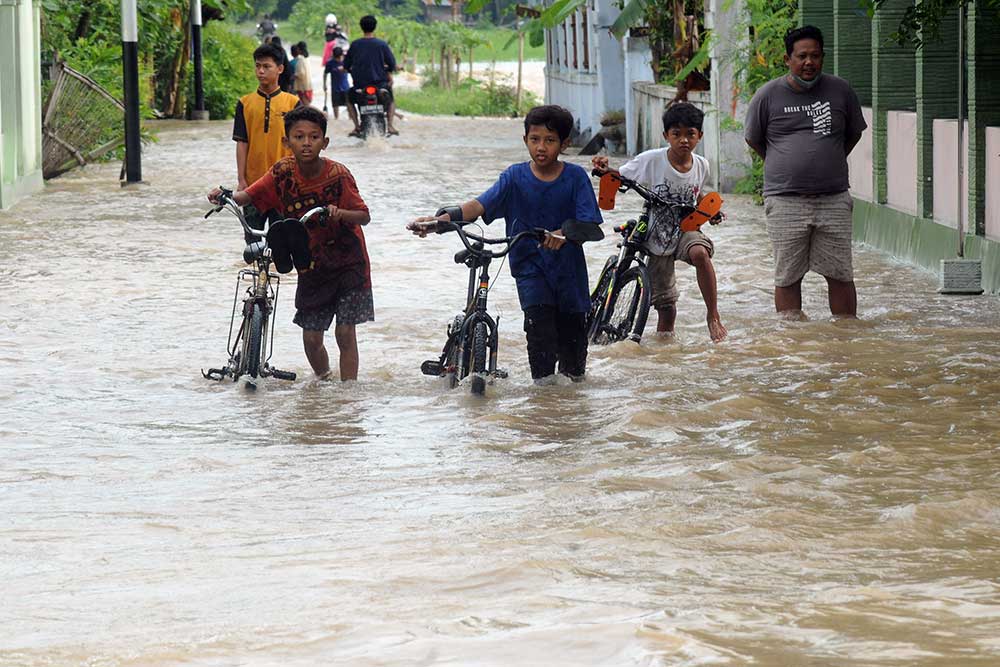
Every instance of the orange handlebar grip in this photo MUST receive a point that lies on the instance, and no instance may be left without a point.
(709, 207)
(607, 191)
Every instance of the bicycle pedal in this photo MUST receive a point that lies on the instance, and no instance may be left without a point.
(500, 373)
(431, 367)
(216, 374)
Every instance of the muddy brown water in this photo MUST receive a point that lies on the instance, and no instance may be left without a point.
(807, 493)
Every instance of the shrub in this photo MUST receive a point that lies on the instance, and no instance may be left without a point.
(228, 69)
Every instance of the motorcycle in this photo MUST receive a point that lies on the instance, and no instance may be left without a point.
(373, 104)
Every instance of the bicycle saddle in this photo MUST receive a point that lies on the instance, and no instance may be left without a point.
(289, 242)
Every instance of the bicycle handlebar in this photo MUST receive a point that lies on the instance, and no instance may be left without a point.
(226, 201)
(452, 226)
(629, 184)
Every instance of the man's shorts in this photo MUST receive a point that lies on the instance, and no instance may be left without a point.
(661, 269)
(354, 307)
(810, 232)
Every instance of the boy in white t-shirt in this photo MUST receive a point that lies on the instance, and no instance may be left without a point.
(678, 175)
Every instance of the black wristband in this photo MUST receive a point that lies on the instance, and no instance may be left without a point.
(454, 213)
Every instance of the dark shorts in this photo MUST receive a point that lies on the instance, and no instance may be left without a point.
(338, 98)
(353, 307)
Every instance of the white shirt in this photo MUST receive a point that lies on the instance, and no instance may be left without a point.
(682, 189)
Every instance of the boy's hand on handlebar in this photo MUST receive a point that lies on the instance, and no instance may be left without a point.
(427, 224)
(600, 163)
(553, 240)
(215, 196)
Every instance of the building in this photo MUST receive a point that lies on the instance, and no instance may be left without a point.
(590, 72)
(904, 173)
(20, 102)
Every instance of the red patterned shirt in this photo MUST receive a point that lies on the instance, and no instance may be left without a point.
(340, 256)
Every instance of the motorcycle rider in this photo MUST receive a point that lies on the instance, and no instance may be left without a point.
(266, 29)
(371, 63)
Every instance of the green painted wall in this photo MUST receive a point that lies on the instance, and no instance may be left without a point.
(983, 30)
(921, 241)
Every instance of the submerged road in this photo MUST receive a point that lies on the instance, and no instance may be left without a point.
(806, 493)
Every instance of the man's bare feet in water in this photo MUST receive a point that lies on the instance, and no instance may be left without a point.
(716, 330)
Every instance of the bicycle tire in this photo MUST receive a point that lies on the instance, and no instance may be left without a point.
(628, 307)
(596, 314)
(479, 352)
(255, 337)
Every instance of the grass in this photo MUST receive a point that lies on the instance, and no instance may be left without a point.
(468, 98)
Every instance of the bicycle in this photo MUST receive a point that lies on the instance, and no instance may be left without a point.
(471, 346)
(619, 304)
(251, 349)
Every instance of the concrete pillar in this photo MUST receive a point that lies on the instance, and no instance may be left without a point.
(937, 97)
(893, 84)
(731, 160)
(849, 48)
(983, 38)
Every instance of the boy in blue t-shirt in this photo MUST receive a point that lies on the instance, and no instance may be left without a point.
(336, 73)
(551, 277)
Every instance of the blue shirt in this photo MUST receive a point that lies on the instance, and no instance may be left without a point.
(368, 60)
(544, 277)
(338, 76)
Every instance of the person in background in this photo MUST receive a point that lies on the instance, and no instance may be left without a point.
(303, 79)
(339, 85)
(258, 129)
(371, 63)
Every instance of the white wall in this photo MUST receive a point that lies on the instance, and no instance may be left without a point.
(946, 186)
(901, 160)
(992, 183)
(861, 162)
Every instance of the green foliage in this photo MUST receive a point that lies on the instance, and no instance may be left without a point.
(762, 57)
(921, 21)
(468, 98)
(228, 69)
(306, 20)
(753, 182)
(632, 14)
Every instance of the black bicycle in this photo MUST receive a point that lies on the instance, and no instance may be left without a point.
(619, 304)
(251, 346)
(471, 347)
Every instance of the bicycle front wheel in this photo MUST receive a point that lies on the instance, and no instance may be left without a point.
(629, 307)
(597, 298)
(479, 352)
(254, 339)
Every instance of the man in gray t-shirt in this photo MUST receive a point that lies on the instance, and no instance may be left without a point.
(804, 125)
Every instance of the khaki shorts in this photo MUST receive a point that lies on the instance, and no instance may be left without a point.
(661, 269)
(810, 233)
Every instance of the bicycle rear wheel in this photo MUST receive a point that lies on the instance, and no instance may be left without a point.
(479, 352)
(629, 307)
(597, 298)
(254, 338)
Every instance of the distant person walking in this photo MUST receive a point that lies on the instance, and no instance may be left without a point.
(303, 79)
(804, 125)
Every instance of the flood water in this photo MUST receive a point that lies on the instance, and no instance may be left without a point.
(805, 493)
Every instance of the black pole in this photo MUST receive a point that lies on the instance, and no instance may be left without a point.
(199, 112)
(130, 75)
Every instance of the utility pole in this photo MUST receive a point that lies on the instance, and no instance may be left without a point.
(199, 112)
(130, 75)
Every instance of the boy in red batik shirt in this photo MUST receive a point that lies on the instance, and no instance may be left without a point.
(338, 284)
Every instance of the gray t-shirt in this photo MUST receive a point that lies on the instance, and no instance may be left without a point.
(804, 135)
